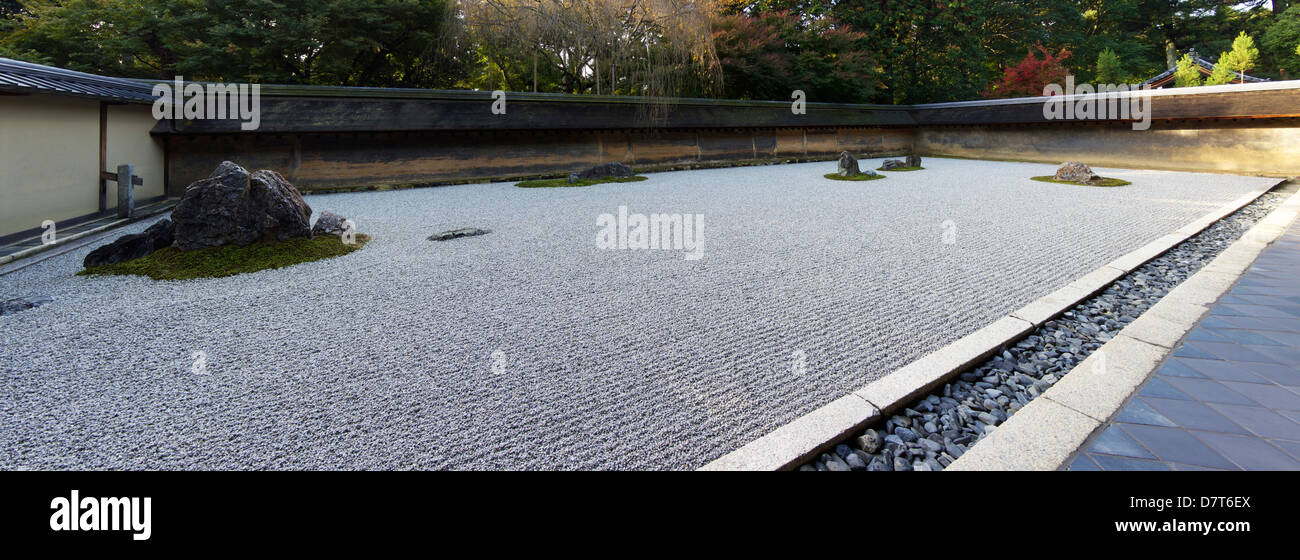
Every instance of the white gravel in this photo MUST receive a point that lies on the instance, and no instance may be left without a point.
(383, 359)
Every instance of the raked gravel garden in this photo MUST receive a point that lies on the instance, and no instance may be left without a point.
(532, 348)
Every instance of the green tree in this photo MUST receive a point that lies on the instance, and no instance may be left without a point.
(1187, 73)
(334, 42)
(769, 55)
(928, 50)
(1109, 68)
(1242, 58)
(1280, 40)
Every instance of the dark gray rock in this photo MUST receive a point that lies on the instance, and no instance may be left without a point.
(843, 450)
(855, 462)
(913, 160)
(1075, 171)
(930, 445)
(906, 434)
(234, 207)
(892, 164)
(848, 166)
(20, 304)
(835, 464)
(602, 171)
(880, 464)
(132, 246)
(870, 441)
(458, 233)
(901, 464)
(329, 223)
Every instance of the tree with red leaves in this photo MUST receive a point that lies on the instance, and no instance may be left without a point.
(1030, 75)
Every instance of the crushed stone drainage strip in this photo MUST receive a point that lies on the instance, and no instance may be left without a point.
(933, 431)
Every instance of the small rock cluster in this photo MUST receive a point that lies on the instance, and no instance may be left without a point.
(935, 430)
(848, 166)
(912, 160)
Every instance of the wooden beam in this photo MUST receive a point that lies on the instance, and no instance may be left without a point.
(103, 155)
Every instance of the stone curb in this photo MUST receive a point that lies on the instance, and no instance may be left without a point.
(794, 443)
(800, 440)
(64, 240)
(1044, 437)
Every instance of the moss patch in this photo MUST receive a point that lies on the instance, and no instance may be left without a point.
(900, 169)
(1104, 182)
(838, 177)
(564, 182)
(215, 262)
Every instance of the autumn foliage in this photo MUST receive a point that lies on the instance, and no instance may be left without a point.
(1028, 77)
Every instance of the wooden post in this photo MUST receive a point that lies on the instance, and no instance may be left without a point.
(125, 190)
(103, 155)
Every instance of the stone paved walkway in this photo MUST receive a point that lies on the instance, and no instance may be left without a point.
(1229, 396)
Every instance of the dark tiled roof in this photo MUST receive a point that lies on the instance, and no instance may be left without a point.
(24, 77)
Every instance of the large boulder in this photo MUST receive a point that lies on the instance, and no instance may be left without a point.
(848, 166)
(913, 160)
(133, 246)
(1075, 171)
(234, 207)
(603, 171)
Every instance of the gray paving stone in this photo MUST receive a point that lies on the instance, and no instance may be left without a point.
(1191, 351)
(1222, 370)
(1176, 446)
(1235, 352)
(1261, 421)
(1248, 452)
(1159, 387)
(1280, 374)
(1284, 338)
(1207, 390)
(1178, 367)
(1240, 336)
(1181, 467)
(1271, 396)
(1206, 334)
(1113, 441)
(1116, 463)
(1083, 463)
(1291, 447)
(1195, 416)
(1215, 322)
(1137, 411)
(1258, 323)
(1284, 355)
